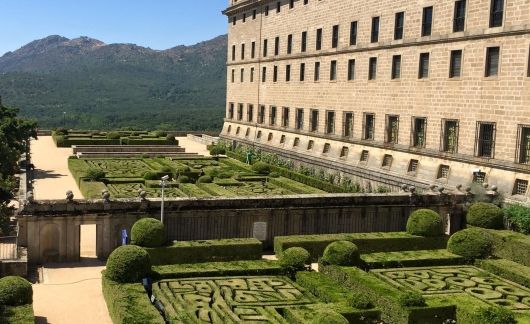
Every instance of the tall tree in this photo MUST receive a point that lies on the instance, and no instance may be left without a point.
(15, 134)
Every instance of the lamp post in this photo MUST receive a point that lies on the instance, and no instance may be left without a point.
(163, 182)
(64, 119)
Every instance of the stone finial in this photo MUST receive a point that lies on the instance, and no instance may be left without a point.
(433, 187)
(441, 189)
(485, 185)
(412, 190)
(142, 194)
(105, 195)
(29, 197)
(69, 196)
(405, 188)
(468, 190)
(459, 187)
(494, 188)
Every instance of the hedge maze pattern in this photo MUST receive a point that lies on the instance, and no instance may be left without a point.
(230, 299)
(128, 190)
(120, 168)
(461, 279)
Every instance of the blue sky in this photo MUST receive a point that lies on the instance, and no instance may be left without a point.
(159, 24)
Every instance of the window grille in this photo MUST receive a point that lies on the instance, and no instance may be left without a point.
(521, 187)
(485, 140)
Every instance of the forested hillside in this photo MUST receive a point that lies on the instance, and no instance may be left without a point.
(84, 83)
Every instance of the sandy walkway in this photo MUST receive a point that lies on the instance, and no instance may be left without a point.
(192, 146)
(52, 177)
(71, 293)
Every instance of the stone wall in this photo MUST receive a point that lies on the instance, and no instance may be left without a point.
(51, 230)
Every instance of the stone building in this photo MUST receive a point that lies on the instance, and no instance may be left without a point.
(415, 92)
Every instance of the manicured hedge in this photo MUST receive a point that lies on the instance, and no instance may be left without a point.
(215, 189)
(519, 217)
(425, 222)
(220, 269)
(366, 242)
(128, 263)
(386, 297)
(294, 186)
(206, 251)
(295, 259)
(148, 232)
(128, 303)
(192, 190)
(15, 291)
(471, 243)
(485, 215)
(423, 258)
(306, 313)
(507, 269)
(511, 246)
(308, 180)
(17, 314)
(342, 253)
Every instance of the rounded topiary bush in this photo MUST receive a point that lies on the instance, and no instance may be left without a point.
(471, 243)
(183, 169)
(295, 258)
(128, 263)
(342, 253)
(150, 175)
(205, 179)
(148, 232)
(183, 179)
(167, 169)
(159, 133)
(15, 291)
(95, 174)
(411, 299)
(360, 301)
(485, 215)
(496, 315)
(61, 131)
(170, 138)
(261, 168)
(217, 150)
(425, 222)
(329, 317)
(113, 135)
(274, 175)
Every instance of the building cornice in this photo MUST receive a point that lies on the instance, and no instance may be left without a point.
(244, 5)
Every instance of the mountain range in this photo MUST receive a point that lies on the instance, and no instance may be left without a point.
(84, 83)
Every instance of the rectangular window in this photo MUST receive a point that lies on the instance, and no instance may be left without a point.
(275, 74)
(265, 43)
(302, 71)
(443, 172)
(348, 124)
(291, 4)
(396, 67)
(314, 120)
(479, 177)
(369, 126)
(303, 42)
(351, 69)
(277, 46)
(317, 71)
(459, 20)
(413, 167)
(455, 66)
(253, 14)
(251, 74)
(288, 73)
(333, 71)
(374, 38)
(330, 122)
(419, 131)
(485, 139)
(272, 116)
(423, 72)
(492, 61)
(335, 37)
(233, 52)
(253, 50)
(231, 111)
(399, 24)
(261, 115)
(240, 112)
(278, 6)
(520, 187)
(344, 152)
(319, 39)
(242, 76)
(364, 156)
(523, 144)
(353, 33)
(285, 117)
(244, 17)
(234, 20)
(426, 24)
(242, 51)
(372, 68)
(266, 11)
(392, 129)
(289, 44)
(496, 13)
(250, 113)
(264, 74)
(450, 129)
(233, 75)
(299, 119)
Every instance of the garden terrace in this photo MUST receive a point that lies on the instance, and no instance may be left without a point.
(130, 151)
(63, 138)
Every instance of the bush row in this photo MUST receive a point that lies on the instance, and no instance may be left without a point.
(327, 313)
(397, 306)
(366, 242)
(507, 269)
(219, 269)
(511, 246)
(17, 314)
(423, 258)
(519, 217)
(206, 251)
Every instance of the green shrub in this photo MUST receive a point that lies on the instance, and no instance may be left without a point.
(205, 179)
(159, 133)
(329, 317)
(113, 135)
(496, 315)
(471, 243)
(128, 263)
(519, 216)
(411, 299)
(151, 175)
(148, 232)
(183, 170)
(183, 179)
(261, 168)
(274, 175)
(425, 222)
(217, 150)
(61, 131)
(295, 259)
(220, 269)
(167, 169)
(360, 301)
(170, 138)
(485, 215)
(343, 253)
(15, 291)
(95, 174)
